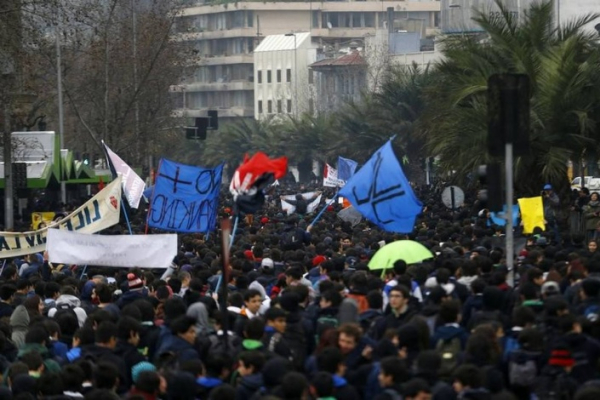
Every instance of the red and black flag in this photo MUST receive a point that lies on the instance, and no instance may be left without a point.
(254, 175)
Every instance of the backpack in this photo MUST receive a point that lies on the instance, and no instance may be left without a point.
(522, 368)
(292, 240)
(448, 351)
(65, 309)
(511, 344)
(295, 337)
(592, 312)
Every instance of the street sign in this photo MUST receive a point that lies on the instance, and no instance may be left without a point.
(453, 197)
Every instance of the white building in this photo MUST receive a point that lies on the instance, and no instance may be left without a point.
(282, 80)
(572, 9)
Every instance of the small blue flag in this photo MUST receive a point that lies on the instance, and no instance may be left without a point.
(499, 218)
(185, 198)
(346, 168)
(381, 192)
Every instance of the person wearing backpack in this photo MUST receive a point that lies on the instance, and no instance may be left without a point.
(392, 373)
(555, 382)
(524, 362)
(584, 349)
(327, 317)
(450, 339)
(294, 237)
(68, 302)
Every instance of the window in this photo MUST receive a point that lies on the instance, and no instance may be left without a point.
(278, 75)
(288, 75)
(269, 107)
(311, 106)
(279, 107)
(260, 110)
(250, 16)
(269, 76)
(310, 76)
(259, 76)
(289, 106)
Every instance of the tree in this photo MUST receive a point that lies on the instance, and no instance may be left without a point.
(562, 63)
(118, 64)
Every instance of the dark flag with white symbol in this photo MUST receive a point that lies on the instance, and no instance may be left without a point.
(185, 198)
(382, 194)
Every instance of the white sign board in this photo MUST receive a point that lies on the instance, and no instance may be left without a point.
(127, 251)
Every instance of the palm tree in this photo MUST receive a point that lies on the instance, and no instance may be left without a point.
(243, 136)
(304, 140)
(562, 63)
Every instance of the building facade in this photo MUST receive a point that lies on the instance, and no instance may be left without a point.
(224, 37)
(283, 82)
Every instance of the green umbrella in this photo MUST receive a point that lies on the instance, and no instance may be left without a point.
(408, 250)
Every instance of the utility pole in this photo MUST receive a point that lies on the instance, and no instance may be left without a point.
(8, 186)
(61, 122)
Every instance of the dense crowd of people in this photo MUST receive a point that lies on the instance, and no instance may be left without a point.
(307, 318)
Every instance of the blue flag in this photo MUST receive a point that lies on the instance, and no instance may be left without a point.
(381, 193)
(185, 198)
(499, 218)
(346, 168)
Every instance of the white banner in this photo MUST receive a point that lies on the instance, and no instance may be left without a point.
(330, 177)
(100, 212)
(133, 185)
(312, 206)
(127, 251)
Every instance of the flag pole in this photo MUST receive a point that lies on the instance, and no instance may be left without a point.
(235, 226)
(314, 221)
(114, 174)
(152, 197)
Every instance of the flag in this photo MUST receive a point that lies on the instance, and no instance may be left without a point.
(532, 213)
(330, 177)
(312, 206)
(133, 185)
(346, 168)
(382, 194)
(499, 218)
(252, 177)
(185, 198)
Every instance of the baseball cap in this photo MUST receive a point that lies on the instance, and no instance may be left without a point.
(547, 186)
(550, 288)
(267, 263)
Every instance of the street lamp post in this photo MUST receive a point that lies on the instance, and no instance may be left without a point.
(295, 72)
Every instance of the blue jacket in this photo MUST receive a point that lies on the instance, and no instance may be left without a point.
(448, 332)
(248, 386)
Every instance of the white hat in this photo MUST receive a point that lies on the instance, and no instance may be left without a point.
(267, 263)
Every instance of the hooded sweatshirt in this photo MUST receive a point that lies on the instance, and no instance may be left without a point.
(200, 314)
(19, 322)
(74, 303)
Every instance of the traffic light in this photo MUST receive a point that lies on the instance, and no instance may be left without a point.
(508, 113)
(19, 171)
(197, 132)
(490, 180)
